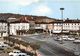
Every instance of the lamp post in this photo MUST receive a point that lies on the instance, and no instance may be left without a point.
(62, 13)
(61, 9)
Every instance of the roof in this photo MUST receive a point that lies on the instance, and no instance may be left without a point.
(3, 21)
(43, 22)
(72, 21)
(19, 22)
(58, 21)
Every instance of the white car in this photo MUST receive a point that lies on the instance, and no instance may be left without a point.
(2, 46)
(14, 53)
(71, 39)
(23, 54)
(65, 38)
(17, 53)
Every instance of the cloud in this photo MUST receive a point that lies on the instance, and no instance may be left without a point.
(41, 10)
(21, 2)
(27, 2)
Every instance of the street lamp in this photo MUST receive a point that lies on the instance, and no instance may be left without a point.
(62, 16)
(62, 13)
(61, 9)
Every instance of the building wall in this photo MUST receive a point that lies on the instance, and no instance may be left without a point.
(57, 26)
(50, 26)
(44, 26)
(38, 26)
(3, 28)
(18, 26)
(71, 26)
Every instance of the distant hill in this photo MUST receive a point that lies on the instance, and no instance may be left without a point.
(5, 16)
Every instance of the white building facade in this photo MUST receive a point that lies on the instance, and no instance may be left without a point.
(14, 27)
(71, 25)
(3, 29)
(57, 27)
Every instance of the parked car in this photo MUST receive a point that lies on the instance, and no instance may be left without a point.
(57, 39)
(23, 54)
(65, 37)
(71, 39)
(14, 53)
(17, 53)
(3, 46)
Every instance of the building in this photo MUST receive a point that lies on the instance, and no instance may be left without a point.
(3, 28)
(44, 23)
(39, 24)
(19, 27)
(71, 25)
(57, 26)
(29, 24)
(41, 27)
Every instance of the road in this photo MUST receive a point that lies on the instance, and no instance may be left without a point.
(47, 48)
(54, 50)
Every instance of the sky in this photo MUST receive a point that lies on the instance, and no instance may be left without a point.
(50, 8)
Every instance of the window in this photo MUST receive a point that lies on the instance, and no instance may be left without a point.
(75, 23)
(23, 27)
(5, 28)
(78, 23)
(18, 27)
